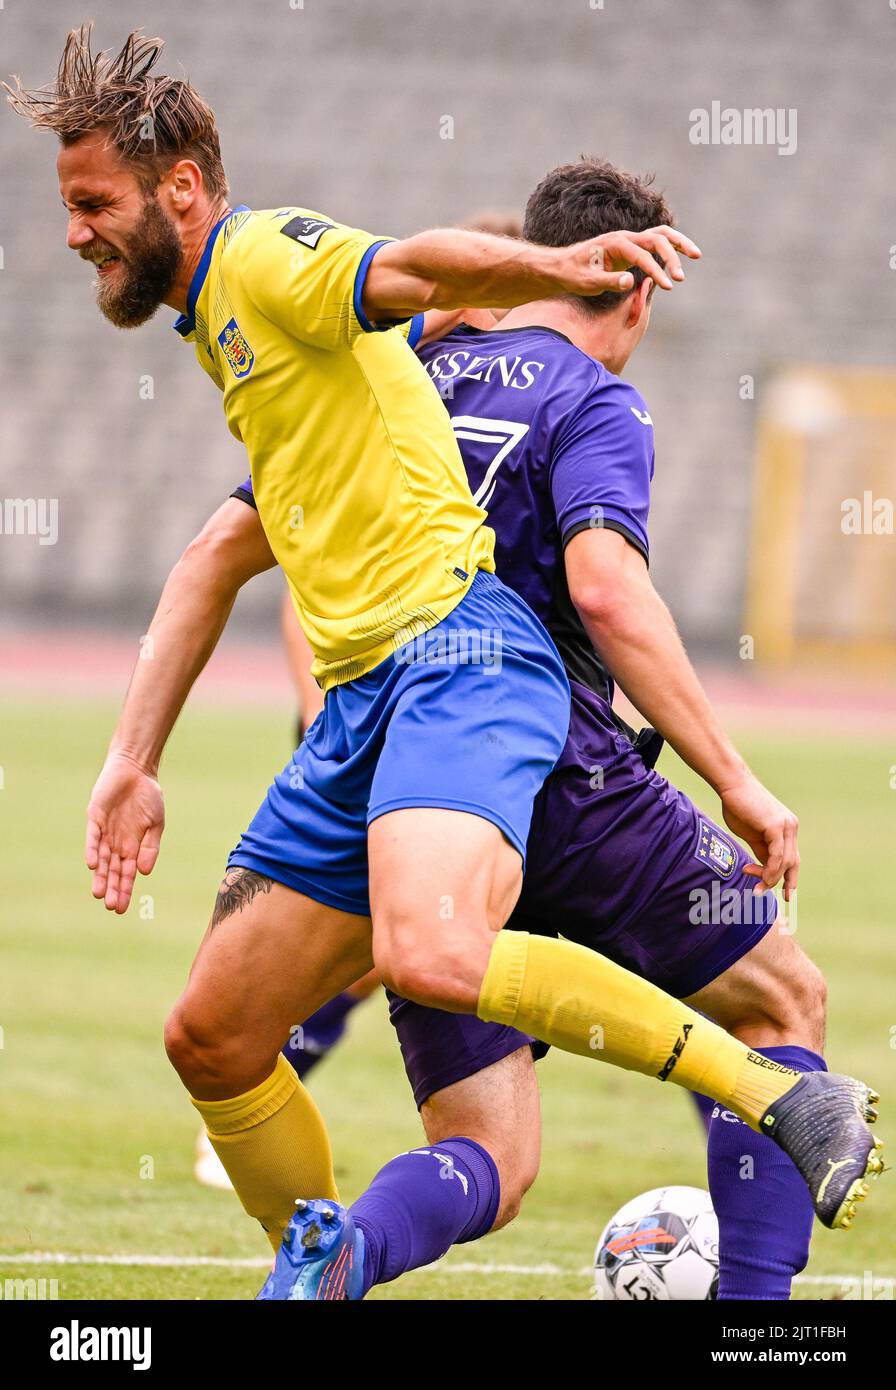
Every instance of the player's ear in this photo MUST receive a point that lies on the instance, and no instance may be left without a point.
(639, 303)
(184, 183)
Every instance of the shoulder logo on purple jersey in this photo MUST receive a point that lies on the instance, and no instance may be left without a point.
(239, 355)
(642, 415)
(715, 850)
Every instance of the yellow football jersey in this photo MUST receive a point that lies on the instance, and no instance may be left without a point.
(356, 472)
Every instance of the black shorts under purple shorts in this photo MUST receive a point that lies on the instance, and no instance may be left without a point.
(620, 861)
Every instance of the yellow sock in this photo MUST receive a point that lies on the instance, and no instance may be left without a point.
(581, 1002)
(274, 1146)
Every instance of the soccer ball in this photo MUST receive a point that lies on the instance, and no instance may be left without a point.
(661, 1245)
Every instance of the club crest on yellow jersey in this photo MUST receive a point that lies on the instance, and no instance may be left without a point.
(240, 356)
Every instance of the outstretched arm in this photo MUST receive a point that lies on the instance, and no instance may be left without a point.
(126, 814)
(634, 632)
(448, 269)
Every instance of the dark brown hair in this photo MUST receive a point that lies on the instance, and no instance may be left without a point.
(151, 121)
(577, 201)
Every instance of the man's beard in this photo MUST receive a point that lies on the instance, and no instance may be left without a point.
(135, 290)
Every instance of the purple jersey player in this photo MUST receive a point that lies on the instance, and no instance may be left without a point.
(556, 445)
(559, 450)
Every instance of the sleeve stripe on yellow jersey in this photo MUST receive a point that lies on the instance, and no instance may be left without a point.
(360, 277)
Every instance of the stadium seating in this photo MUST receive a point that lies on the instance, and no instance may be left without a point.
(338, 107)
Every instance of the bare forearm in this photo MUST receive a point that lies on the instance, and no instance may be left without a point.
(191, 615)
(641, 646)
(452, 270)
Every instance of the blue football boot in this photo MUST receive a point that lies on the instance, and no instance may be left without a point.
(321, 1256)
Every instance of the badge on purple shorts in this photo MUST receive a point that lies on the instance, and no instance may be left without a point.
(712, 849)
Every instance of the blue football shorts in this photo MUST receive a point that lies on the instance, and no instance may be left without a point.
(470, 716)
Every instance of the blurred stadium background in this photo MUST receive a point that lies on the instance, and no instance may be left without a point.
(771, 378)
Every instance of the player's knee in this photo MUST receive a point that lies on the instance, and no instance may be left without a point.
(181, 1044)
(813, 1002)
(205, 1061)
(790, 1007)
(442, 971)
(800, 1002)
(517, 1172)
(424, 980)
(514, 1149)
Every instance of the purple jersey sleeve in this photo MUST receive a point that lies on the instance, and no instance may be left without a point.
(245, 493)
(602, 466)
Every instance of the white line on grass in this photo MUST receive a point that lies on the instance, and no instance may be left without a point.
(52, 1257)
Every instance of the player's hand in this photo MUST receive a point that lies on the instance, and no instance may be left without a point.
(768, 827)
(125, 820)
(604, 262)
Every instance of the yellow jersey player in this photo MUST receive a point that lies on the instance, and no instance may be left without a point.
(396, 836)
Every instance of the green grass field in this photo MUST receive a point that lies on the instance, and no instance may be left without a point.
(96, 1134)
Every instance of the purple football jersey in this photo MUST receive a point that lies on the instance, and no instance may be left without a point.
(553, 444)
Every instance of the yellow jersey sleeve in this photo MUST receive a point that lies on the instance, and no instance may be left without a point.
(306, 275)
(356, 470)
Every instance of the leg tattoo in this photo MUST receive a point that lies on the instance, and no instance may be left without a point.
(239, 886)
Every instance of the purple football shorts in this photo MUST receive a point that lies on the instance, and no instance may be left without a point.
(622, 862)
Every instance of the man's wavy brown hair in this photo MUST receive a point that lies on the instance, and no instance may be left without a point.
(587, 198)
(152, 121)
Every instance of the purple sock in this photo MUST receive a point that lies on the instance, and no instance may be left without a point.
(764, 1208)
(704, 1107)
(422, 1203)
(319, 1034)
